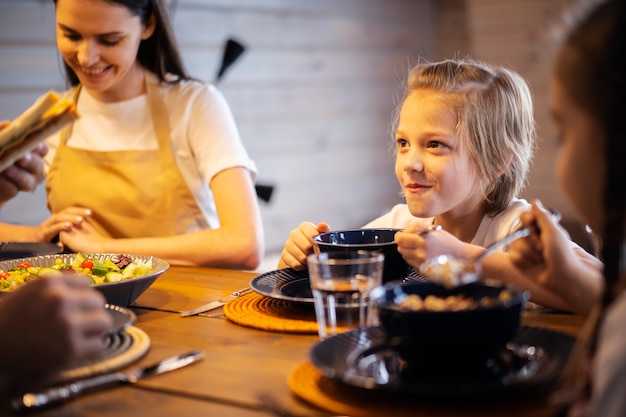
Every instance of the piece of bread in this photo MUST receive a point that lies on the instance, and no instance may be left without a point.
(47, 115)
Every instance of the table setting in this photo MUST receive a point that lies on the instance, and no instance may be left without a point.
(121, 279)
(261, 338)
(282, 299)
(394, 350)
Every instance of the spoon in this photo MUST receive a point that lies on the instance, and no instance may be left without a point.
(451, 271)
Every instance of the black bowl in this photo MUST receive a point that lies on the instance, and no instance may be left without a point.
(456, 340)
(378, 240)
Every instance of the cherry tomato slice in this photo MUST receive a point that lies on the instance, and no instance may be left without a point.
(87, 263)
(24, 265)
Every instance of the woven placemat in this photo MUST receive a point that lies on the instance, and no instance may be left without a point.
(308, 383)
(131, 344)
(267, 313)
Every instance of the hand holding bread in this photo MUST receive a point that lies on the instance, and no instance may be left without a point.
(46, 116)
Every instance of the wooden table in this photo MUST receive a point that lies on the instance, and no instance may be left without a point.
(240, 363)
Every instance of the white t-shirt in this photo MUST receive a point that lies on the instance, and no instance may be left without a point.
(491, 229)
(203, 134)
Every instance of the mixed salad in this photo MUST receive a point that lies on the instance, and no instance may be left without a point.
(117, 268)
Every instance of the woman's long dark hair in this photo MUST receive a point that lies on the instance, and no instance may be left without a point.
(159, 53)
(595, 77)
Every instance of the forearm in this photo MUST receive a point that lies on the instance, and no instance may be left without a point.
(214, 247)
(581, 281)
(18, 233)
(500, 267)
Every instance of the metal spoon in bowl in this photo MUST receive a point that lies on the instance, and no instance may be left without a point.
(451, 271)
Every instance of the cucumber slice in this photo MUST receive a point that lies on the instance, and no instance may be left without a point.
(78, 260)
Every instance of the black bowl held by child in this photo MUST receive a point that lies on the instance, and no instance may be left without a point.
(378, 240)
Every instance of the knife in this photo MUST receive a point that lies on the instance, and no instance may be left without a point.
(54, 395)
(214, 304)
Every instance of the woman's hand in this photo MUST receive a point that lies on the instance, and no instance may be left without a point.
(84, 238)
(62, 221)
(299, 245)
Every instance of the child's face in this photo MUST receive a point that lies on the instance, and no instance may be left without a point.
(99, 40)
(580, 163)
(435, 174)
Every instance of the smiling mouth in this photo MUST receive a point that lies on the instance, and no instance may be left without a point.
(93, 71)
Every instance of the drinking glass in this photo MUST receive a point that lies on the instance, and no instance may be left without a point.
(341, 283)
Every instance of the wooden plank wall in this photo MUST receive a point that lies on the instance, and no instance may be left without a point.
(517, 34)
(314, 92)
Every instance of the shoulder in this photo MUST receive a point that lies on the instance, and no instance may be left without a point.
(197, 102)
(494, 228)
(509, 218)
(191, 90)
(511, 214)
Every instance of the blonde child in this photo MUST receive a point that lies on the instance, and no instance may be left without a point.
(465, 138)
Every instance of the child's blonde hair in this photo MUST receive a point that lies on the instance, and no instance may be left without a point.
(495, 120)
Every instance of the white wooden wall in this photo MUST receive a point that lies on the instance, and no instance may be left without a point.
(314, 92)
(519, 34)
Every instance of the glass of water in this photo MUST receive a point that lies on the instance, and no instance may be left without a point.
(341, 283)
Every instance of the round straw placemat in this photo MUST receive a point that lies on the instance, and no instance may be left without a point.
(267, 313)
(123, 348)
(333, 396)
(308, 383)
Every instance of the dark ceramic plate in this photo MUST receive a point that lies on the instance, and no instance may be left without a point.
(14, 250)
(353, 359)
(291, 285)
(122, 318)
(122, 293)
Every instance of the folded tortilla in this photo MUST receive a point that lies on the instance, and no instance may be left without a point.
(46, 116)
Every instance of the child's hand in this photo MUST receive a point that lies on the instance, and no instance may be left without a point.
(299, 245)
(415, 246)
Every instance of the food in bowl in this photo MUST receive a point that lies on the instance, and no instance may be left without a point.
(374, 239)
(121, 293)
(116, 268)
(448, 338)
(414, 302)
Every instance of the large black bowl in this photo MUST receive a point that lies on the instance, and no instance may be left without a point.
(122, 293)
(379, 240)
(455, 340)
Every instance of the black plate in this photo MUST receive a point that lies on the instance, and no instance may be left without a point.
(122, 318)
(15, 250)
(291, 285)
(353, 359)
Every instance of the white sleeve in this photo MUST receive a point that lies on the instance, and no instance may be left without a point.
(213, 135)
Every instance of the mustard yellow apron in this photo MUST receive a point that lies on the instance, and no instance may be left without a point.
(132, 193)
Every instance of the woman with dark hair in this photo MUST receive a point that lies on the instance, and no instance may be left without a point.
(587, 102)
(155, 158)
